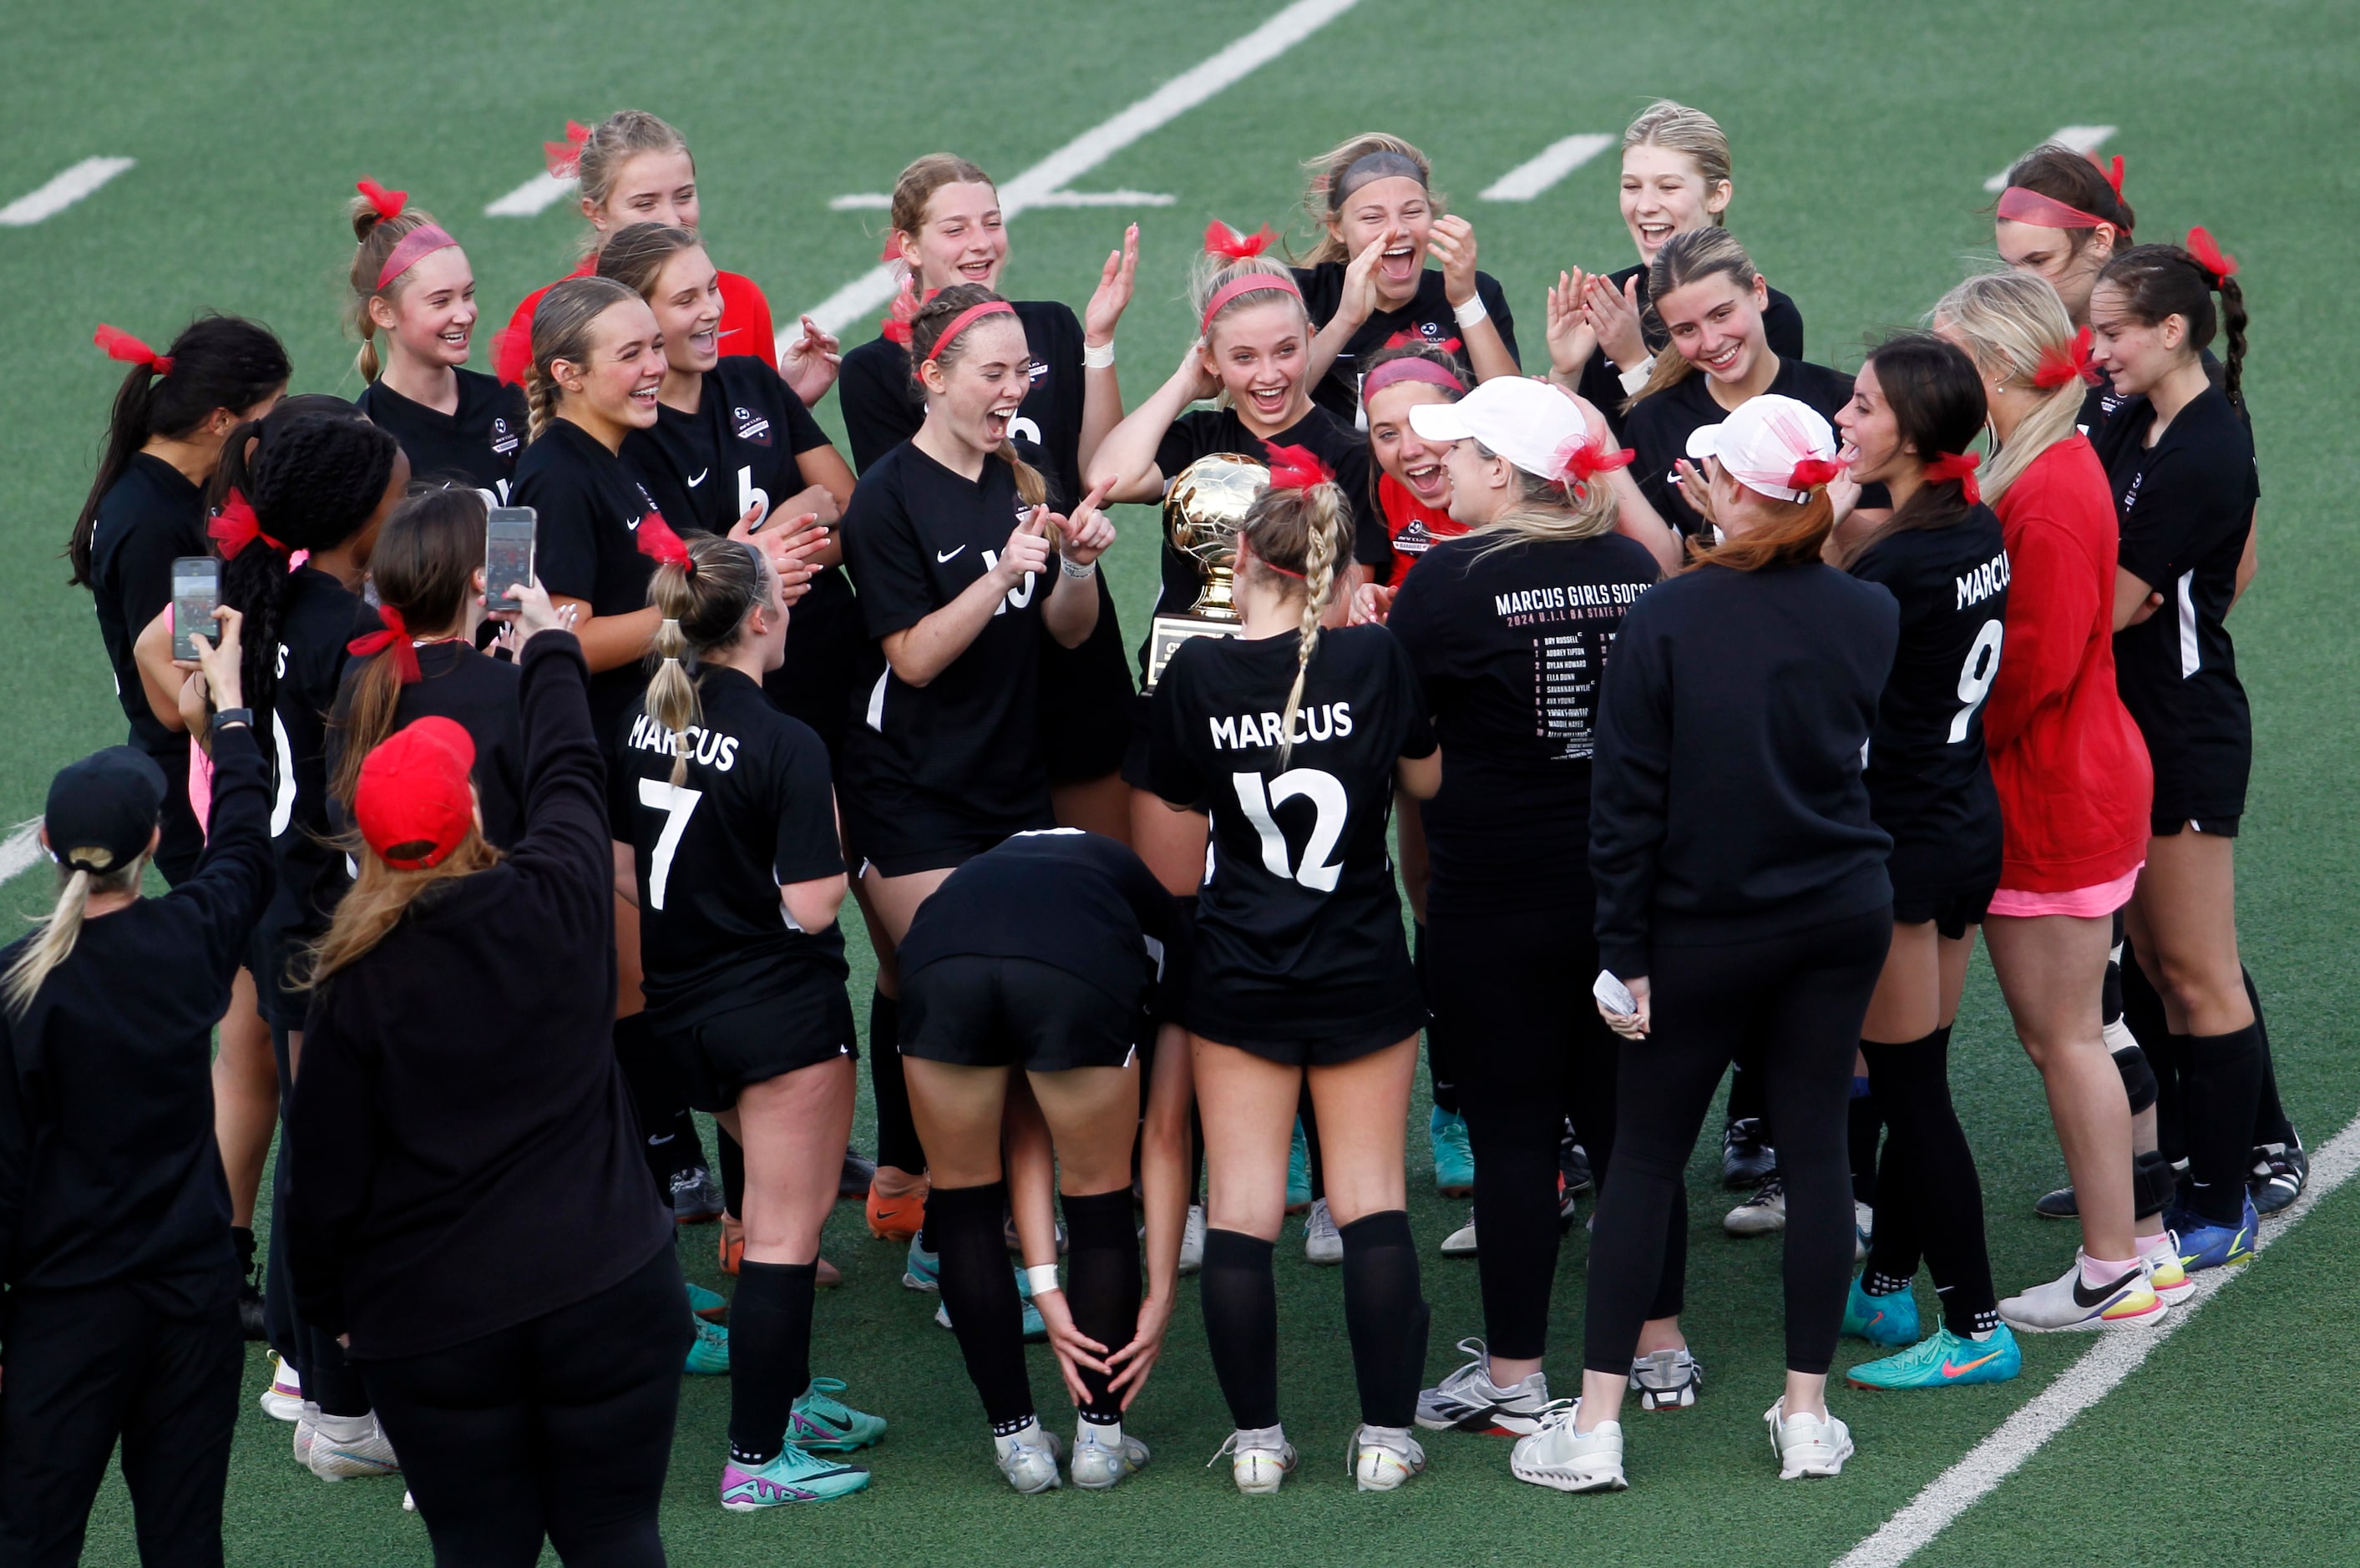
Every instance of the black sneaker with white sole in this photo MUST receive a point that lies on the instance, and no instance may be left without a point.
(2280, 1171)
(2060, 1205)
(1746, 1158)
(696, 1196)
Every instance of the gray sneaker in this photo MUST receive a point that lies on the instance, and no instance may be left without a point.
(1468, 1401)
(1764, 1214)
(1322, 1244)
(1667, 1379)
(696, 1196)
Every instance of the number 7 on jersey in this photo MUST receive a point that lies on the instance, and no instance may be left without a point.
(678, 805)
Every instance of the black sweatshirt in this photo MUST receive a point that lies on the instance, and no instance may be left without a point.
(464, 1157)
(109, 1173)
(1727, 802)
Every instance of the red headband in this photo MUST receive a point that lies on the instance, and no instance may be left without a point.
(1959, 466)
(1581, 458)
(2209, 256)
(1812, 473)
(2061, 366)
(120, 345)
(409, 249)
(235, 525)
(2018, 205)
(564, 159)
(656, 540)
(1295, 468)
(395, 635)
(1409, 367)
(1251, 283)
(966, 319)
(1222, 240)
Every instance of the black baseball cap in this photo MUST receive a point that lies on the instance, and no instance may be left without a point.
(103, 809)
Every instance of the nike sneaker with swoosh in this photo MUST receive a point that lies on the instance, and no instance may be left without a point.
(1881, 1320)
(2066, 1305)
(2169, 1281)
(819, 1422)
(1260, 1459)
(794, 1476)
(1944, 1360)
(1468, 1401)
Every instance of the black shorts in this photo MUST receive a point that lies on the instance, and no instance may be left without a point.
(968, 1010)
(1085, 698)
(727, 1051)
(1134, 752)
(1952, 910)
(1323, 1051)
(904, 844)
(2169, 824)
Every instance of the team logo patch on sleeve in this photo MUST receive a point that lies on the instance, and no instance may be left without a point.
(1036, 371)
(752, 425)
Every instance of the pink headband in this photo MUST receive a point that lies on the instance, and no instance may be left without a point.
(966, 318)
(2019, 205)
(408, 249)
(1394, 372)
(1251, 283)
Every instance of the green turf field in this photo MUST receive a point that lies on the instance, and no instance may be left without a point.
(1864, 134)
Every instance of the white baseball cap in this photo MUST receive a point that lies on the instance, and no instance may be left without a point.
(1770, 444)
(1530, 423)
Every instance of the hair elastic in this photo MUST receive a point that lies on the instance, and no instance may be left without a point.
(1394, 372)
(1250, 283)
(121, 345)
(1959, 466)
(2201, 248)
(2019, 205)
(1222, 240)
(564, 159)
(395, 635)
(964, 319)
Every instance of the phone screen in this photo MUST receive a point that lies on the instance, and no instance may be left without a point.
(507, 553)
(196, 594)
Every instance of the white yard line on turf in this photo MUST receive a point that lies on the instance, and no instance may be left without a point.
(62, 192)
(2080, 139)
(2117, 1354)
(20, 849)
(1044, 185)
(533, 198)
(1554, 162)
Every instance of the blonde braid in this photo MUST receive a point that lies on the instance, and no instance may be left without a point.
(541, 404)
(1323, 531)
(672, 695)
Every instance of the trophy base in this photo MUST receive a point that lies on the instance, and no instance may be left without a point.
(1166, 633)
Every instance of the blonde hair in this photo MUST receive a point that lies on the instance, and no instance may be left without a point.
(1691, 132)
(921, 180)
(1331, 166)
(378, 899)
(1299, 534)
(1210, 273)
(376, 238)
(704, 611)
(2011, 320)
(1547, 511)
(614, 142)
(561, 330)
(925, 344)
(1690, 258)
(55, 934)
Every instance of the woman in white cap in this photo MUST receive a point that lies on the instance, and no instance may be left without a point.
(1742, 901)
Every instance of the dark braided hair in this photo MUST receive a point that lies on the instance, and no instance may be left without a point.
(2161, 281)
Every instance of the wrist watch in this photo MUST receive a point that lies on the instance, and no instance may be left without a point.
(235, 716)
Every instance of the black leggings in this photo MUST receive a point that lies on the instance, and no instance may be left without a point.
(561, 1426)
(1512, 988)
(329, 1381)
(1797, 1000)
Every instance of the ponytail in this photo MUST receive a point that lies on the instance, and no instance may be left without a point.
(54, 937)
(1793, 541)
(382, 221)
(2018, 334)
(424, 570)
(2159, 282)
(1299, 532)
(705, 594)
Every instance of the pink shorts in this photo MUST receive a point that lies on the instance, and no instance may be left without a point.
(2082, 903)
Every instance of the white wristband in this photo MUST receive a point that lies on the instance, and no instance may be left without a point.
(1079, 573)
(1635, 378)
(1099, 358)
(1470, 313)
(1043, 1277)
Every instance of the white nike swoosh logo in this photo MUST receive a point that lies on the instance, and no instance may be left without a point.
(940, 558)
(698, 480)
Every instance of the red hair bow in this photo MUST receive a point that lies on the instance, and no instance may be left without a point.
(2210, 257)
(511, 355)
(120, 345)
(893, 251)
(2061, 365)
(388, 203)
(1296, 468)
(395, 635)
(1812, 473)
(1222, 240)
(657, 541)
(1959, 466)
(564, 159)
(2113, 174)
(1579, 459)
(236, 527)
(907, 302)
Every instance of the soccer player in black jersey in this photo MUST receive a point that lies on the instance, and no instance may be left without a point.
(410, 281)
(1293, 741)
(1367, 285)
(722, 805)
(1916, 405)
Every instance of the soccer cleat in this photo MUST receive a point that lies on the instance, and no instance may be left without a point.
(306, 1428)
(708, 1353)
(1570, 1461)
(921, 1270)
(2203, 1244)
(1881, 1320)
(1104, 1456)
(696, 1196)
(819, 1422)
(2061, 1205)
(1298, 1171)
(1259, 1460)
(1036, 1330)
(1191, 1240)
(1764, 1214)
(1746, 1161)
(1667, 1379)
(1468, 1401)
(1460, 1242)
(852, 1183)
(1384, 1458)
(1572, 1167)
(2065, 1305)
(345, 1448)
(1029, 1460)
(2164, 1274)
(896, 1206)
(1806, 1445)
(794, 1476)
(731, 1245)
(1943, 1360)
(1454, 1160)
(1322, 1243)
(710, 1305)
(2280, 1171)
(1863, 1231)
(283, 1400)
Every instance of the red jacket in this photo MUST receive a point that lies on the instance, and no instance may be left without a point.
(745, 325)
(2074, 783)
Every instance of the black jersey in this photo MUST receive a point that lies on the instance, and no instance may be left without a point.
(2186, 505)
(1601, 384)
(1427, 319)
(884, 408)
(585, 544)
(478, 693)
(1658, 429)
(1298, 927)
(1929, 785)
(477, 444)
(960, 757)
(1512, 644)
(755, 814)
(148, 517)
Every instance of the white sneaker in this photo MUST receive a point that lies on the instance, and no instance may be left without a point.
(1104, 1456)
(1806, 1445)
(1259, 1460)
(408, 1501)
(2066, 1305)
(344, 1447)
(283, 1400)
(1460, 1242)
(305, 1415)
(2165, 1273)
(1383, 1457)
(1029, 1459)
(1322, 1243)
(1191, 1240)
(1667, 1379)
(1570, 1461)
(1468, 1401)
(1764, 1214)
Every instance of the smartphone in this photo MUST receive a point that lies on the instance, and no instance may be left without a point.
(1614, 995)
(507, 553)
(196, 594)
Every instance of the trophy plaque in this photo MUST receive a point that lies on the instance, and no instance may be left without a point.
(1202, 510)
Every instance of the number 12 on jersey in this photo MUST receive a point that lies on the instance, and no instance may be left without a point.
(1326, 792)
(678, 805)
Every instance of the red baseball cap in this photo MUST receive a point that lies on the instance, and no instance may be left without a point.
(413, 804)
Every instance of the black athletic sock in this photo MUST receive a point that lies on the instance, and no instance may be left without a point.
(896, 1135)
(769, 1354)
(2270, 1123)
(980, 1288)
(1240, 1299)
(648, 1074)
(1195, 1152)
(1914, 1085)
(1102, 1287)
(1896, 1247)
(1441, 1072)
(730, 1155)
(1862, 1122)
(1311, 1140)
(330, 1381)
(2224, 1086)
(1386, 1314)
(1746, 1099)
